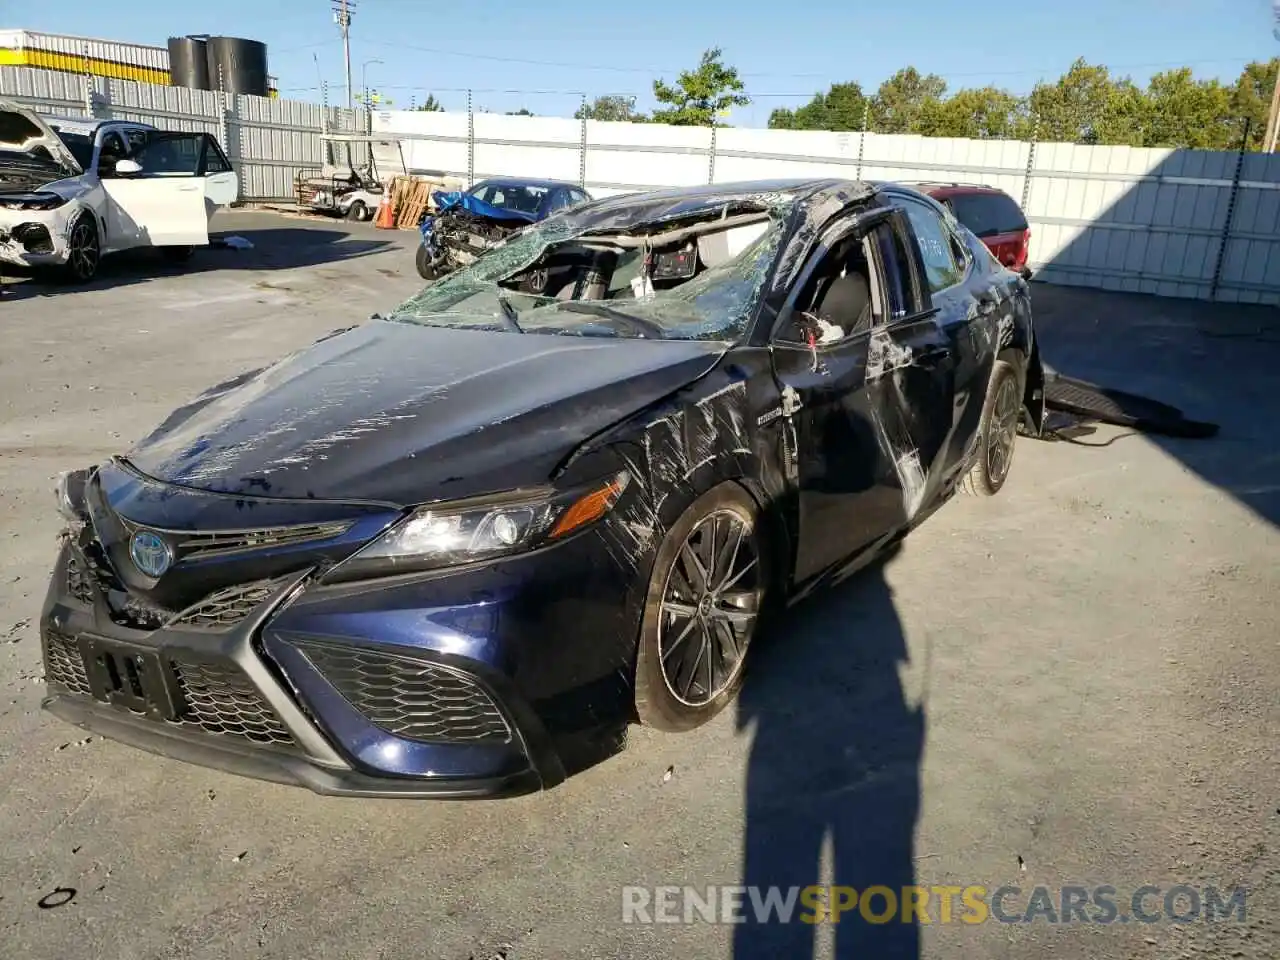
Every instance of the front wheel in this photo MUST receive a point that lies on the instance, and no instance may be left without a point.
(705, 596)
(426, 268)
(358, 211)
(997, 432)
(83, 251)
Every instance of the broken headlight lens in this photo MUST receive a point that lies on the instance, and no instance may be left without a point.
(446, 535)
(70, 494)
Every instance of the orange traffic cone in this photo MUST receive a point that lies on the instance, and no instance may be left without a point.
(386, 219)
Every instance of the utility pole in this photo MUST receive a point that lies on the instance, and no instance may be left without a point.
(343, 10)
(1273, 120)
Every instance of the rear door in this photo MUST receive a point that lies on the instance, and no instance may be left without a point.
(968, 310)
(184, 178)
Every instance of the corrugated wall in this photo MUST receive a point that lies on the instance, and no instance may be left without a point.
(268, 140)
(1165, 222)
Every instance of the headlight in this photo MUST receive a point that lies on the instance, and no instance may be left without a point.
(449, 534)
(34, 201)
(70, 494)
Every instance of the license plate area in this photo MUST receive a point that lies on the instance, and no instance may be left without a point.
(136, 678)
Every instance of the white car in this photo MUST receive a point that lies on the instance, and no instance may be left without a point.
(72, 190)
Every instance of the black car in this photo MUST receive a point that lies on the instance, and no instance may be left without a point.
(455, 551)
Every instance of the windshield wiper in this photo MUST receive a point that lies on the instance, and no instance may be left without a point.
(646, 328)
(508, 313)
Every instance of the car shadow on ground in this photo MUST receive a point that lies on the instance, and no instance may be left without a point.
(835, 759)
(272, 248)
(1215, 362)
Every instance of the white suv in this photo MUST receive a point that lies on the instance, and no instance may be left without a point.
(72, 190)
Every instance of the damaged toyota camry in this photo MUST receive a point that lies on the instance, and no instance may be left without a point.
(458, 550)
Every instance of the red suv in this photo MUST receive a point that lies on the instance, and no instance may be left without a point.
(992, 215)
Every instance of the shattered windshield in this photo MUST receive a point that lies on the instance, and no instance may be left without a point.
(698, 279)
(80, 145)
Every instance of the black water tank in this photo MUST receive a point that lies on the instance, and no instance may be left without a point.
(239, 65)
(188, 63)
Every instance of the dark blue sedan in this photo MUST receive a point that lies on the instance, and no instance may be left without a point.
(466, 224)
(456, 551)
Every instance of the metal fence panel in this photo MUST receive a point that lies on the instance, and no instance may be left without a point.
(1183, 223)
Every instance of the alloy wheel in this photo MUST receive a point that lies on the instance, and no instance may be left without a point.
(1004, 430)
(710, 605)
(82, 250)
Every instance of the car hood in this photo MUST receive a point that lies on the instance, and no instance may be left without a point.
(23, 131)
(401, 413)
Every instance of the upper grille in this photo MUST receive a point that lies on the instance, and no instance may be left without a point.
(410, 698)
(220, 699)
(63, 665)
(232, 541)
(227, 607)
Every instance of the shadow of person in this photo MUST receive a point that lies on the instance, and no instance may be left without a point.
(835, 757)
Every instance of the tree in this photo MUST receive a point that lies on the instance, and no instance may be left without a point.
(1086, 106)
(1184, 112)
(610, 108)
(1251, 100)
(522, 112)
(903, 100)
(431, 105)
(842, 107)
(700, 96)
(982, 114)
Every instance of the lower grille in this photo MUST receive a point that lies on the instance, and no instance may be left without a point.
(220, 699)
(411, 698)
(63, 665)
(217, 698)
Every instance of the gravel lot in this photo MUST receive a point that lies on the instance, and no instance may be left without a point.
(1077, 682)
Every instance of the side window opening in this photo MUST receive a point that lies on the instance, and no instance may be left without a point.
(836, 300)
(937, 246)
(900, 280)
(113, 150)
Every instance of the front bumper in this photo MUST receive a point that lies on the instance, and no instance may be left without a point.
(445, 687)
(33, 238)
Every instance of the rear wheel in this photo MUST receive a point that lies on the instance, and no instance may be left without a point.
(358, 211)
(705, 597)
(997, 432)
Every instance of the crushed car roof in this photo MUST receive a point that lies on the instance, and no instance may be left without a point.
(626, 210)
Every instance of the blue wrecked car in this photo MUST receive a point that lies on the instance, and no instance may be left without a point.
(466, 224)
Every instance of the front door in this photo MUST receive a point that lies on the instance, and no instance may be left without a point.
(184, 177)
(867, 382)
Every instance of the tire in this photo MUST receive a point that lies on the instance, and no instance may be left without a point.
(423, 262)
(178, 254)
(84, 251)
(997, 433)
(358, 211)
(677, 688)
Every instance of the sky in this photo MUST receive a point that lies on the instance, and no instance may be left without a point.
(543, 56)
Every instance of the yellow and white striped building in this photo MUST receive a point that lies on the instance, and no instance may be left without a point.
(102, 58)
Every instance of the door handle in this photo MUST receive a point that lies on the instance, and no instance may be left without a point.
(931, 354)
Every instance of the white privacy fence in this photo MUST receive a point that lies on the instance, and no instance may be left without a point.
(1180, 223)
(267, 140)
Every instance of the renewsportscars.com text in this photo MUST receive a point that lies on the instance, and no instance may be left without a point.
(972, 904)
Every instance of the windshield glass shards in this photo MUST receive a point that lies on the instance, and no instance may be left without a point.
(695, 278)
